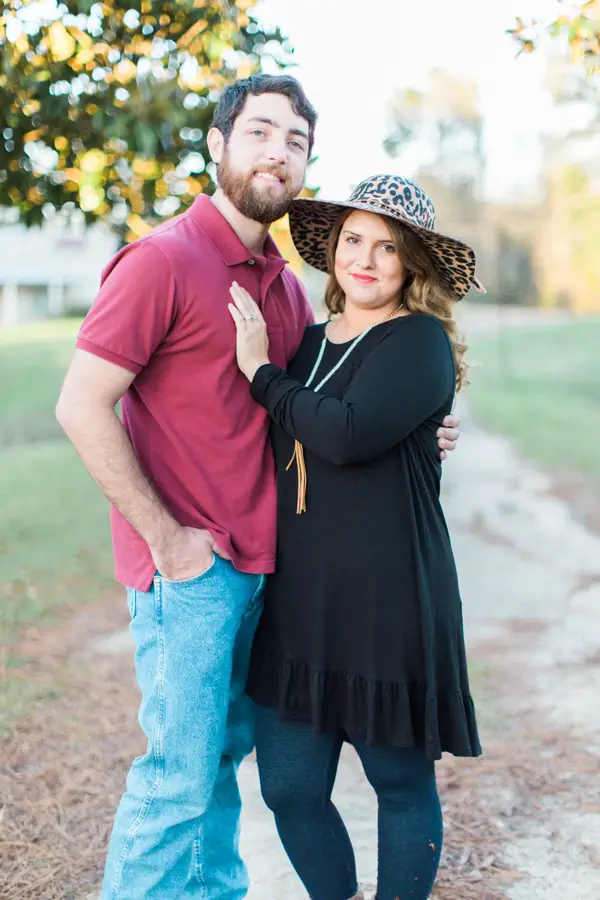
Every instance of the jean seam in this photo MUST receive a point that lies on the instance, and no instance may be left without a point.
(198, 866)
(251, 608)
(355, 886)
(157, 747)
(132, 603)
(332, 772)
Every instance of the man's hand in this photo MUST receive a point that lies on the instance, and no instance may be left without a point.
(448, 435)
(187, 553)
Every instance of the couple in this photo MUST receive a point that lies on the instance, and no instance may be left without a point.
(209, 340)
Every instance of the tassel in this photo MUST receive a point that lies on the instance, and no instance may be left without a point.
(298, 455)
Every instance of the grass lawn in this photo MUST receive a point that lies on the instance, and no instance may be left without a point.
(33, 361)
(541, 386)
(54, 532)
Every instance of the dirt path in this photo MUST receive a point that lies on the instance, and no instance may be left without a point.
(523, 823)
(531, 588)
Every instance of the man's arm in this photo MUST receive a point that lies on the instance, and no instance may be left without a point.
(86, 411)
(448, 435)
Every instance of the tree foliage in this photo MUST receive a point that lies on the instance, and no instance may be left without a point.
(579, 25)
(106, 106)
(444, 123)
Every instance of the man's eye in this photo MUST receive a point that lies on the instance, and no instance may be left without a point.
(297, 145)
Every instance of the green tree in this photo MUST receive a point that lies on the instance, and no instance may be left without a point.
(580, 26)
(106, 105)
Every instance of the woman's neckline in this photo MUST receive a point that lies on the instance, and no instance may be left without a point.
(351, 341)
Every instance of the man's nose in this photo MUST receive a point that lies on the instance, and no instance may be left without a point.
(277, 151)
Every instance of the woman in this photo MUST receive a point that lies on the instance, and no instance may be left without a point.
(361, 639)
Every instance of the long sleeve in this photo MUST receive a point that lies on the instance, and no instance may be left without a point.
(402, 382)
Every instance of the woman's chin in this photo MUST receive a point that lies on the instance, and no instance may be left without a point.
(361, 300)
(359, 294)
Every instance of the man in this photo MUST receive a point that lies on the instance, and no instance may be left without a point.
(190, 478)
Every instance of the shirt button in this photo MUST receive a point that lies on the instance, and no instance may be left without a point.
(251, 262)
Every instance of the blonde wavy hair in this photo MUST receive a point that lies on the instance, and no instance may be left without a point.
(422, 292)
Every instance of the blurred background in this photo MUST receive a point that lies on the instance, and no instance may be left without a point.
(104, 109)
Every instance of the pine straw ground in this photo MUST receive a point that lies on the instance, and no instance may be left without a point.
(62, 771)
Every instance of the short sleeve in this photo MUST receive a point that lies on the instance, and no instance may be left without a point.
(134, 309)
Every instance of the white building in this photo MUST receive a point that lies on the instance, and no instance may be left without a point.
(55, 271)
(50, 271)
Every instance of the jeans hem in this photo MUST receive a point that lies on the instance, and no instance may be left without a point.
(157, 748)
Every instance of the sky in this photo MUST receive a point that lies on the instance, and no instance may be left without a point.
(350, 61)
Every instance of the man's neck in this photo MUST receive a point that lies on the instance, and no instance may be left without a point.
(252, 234)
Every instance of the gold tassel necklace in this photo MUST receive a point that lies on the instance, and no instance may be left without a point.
(298, 454)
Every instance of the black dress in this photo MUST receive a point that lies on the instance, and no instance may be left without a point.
(362, 629)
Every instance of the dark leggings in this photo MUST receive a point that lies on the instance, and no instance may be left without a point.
(297, 768)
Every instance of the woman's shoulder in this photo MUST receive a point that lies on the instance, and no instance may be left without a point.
(421, 329)
(425, 322)
(418, 343)
(313, 334)
(315, 330)
(307, 350)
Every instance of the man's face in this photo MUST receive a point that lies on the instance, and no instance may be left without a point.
(263, 164)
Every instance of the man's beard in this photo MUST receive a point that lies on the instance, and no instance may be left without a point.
(248, 199)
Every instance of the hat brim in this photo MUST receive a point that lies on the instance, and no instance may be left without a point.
(312, 221)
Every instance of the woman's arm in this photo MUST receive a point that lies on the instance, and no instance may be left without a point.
(272, 386)
(401, 383)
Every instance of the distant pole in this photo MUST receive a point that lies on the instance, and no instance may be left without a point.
(9, 307)
(503, 337)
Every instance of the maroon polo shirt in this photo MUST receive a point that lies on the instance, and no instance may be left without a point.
(199, 437)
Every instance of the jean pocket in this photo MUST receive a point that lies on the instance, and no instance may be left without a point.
(186, 582)
(131, 602)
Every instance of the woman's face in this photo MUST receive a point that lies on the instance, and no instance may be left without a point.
(367, 265)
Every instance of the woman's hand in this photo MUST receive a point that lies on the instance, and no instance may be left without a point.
(252, 345)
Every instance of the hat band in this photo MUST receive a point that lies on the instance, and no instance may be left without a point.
(394, 211)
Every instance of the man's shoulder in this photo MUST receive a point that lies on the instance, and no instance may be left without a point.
(156, 244)
(179, 236)
(292, 278)
(298, 297)
(294, 284)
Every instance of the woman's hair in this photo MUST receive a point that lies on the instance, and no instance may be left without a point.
(423, 290)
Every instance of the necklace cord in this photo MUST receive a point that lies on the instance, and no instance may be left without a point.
(298, 454)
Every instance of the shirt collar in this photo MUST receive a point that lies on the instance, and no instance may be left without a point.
(222, 236)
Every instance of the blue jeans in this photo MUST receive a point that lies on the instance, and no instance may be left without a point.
(176, 832)
(297, 768)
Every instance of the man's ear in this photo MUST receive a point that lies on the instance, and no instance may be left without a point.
(216, 145)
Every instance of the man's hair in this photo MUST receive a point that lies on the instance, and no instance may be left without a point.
(234, 97)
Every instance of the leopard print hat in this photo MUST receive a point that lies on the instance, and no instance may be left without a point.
(312, 221)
